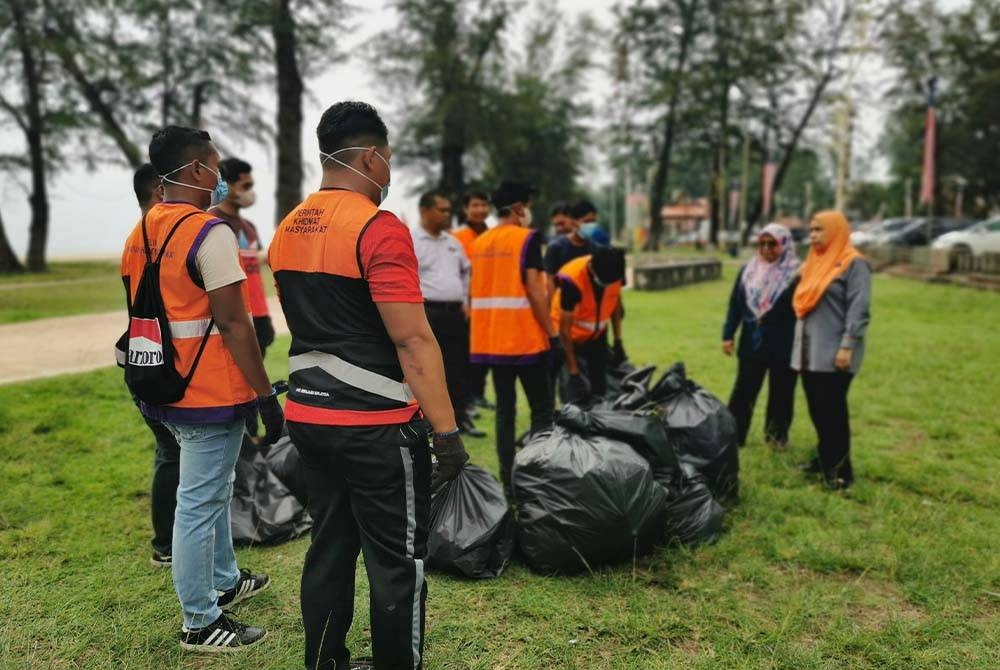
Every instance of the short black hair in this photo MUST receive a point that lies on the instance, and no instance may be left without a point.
(348, 124)
(608, 263)
(561, 208)
(582, 208)
(509, 193)
(232, 168)
(469, 196)
(428, 198)
(144, 182)
(174, 146)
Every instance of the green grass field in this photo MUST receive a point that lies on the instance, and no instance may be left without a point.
(902, 571)
(68, 288)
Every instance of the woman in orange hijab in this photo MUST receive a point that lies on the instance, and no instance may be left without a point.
(831, 303)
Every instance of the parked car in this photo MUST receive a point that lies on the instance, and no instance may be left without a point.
(921, 232)
(868, 237)
(981, 238)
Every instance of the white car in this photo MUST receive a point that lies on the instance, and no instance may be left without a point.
(982, 238)
(871, 236)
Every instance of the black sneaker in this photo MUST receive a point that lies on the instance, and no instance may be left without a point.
(225, 634)
(468, 428)
(362, 663)
(159, 560)
(813, 467)
(248, 586)
(483, 403)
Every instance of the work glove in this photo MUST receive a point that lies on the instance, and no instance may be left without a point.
(557, 355)
(449, 452)
(618, 355)
(578, 390)
(271, 414)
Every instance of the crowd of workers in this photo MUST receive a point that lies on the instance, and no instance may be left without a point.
(393, 334)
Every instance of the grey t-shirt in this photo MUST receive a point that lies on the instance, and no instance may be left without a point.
(840, 320)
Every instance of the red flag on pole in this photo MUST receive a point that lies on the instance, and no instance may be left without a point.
(930, 128)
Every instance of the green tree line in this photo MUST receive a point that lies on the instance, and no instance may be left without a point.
(703, 93)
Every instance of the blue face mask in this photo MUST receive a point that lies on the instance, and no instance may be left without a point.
(219, 193)
(587, 229)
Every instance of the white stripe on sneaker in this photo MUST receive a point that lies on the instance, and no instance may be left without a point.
(225, 639)
(215, 633)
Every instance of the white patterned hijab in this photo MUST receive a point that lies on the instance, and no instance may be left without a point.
(763, 283)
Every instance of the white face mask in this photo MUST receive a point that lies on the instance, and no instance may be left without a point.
(383, 190)
(246, 198)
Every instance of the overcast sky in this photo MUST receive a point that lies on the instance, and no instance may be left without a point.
(92, 212)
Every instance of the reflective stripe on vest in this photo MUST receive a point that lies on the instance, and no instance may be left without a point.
(590, 325)
(186, 329)
(351, 374)
(500, 303)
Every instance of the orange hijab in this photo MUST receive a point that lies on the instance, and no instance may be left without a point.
(822, 267)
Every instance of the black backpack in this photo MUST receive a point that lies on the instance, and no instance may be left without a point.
(146, 350)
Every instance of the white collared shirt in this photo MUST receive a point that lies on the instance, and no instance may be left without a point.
(443, 266)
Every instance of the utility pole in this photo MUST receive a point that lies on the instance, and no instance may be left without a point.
(960, 183)
(808, 201)
(908, 198)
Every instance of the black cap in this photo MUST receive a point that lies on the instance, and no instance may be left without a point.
(510, 193)
(608, 264)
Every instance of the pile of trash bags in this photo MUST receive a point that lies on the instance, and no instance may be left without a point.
(269, 495)
(648, 465)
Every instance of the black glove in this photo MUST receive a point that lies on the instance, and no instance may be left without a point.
(618, 355)
(557, 355)
(449, 452)
(272, 416)
(579, 389)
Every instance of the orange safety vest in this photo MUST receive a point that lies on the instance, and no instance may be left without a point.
(590, 320)
(467, 236)
(343, 367)
(218, 391)
(504, 330)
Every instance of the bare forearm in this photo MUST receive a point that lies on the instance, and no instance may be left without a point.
(241, 341)
(420, 359)
(616, 323)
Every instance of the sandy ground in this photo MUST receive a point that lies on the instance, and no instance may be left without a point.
(63, 345)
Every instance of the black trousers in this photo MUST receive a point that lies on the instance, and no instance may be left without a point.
(451, 328)
(264, 330)
(369, 491)
(475, 388)
(592, 361)
(781, 380)
(166, 477)
(826, 394)
(537, 384)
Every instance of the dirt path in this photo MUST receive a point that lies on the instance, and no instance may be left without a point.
(63, 345)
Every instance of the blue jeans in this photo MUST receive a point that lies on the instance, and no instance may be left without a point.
(203, 557)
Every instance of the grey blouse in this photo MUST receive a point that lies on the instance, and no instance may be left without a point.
(840, 320)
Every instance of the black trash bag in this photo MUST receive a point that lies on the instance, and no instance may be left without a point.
(263, 510)
(584, 501)
(693, 516)
(634, 389)
(701, 430)
(644, 433)
(615, 376)
(283, 458)
(472, 526)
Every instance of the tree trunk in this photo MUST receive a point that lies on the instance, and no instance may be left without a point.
(34, 130)
(9, 262)
(789, 152)
(717, 189)
(660, 176)
(452, 152)
(289, 121)
(197, 102)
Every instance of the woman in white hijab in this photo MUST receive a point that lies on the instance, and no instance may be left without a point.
(760, 308)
